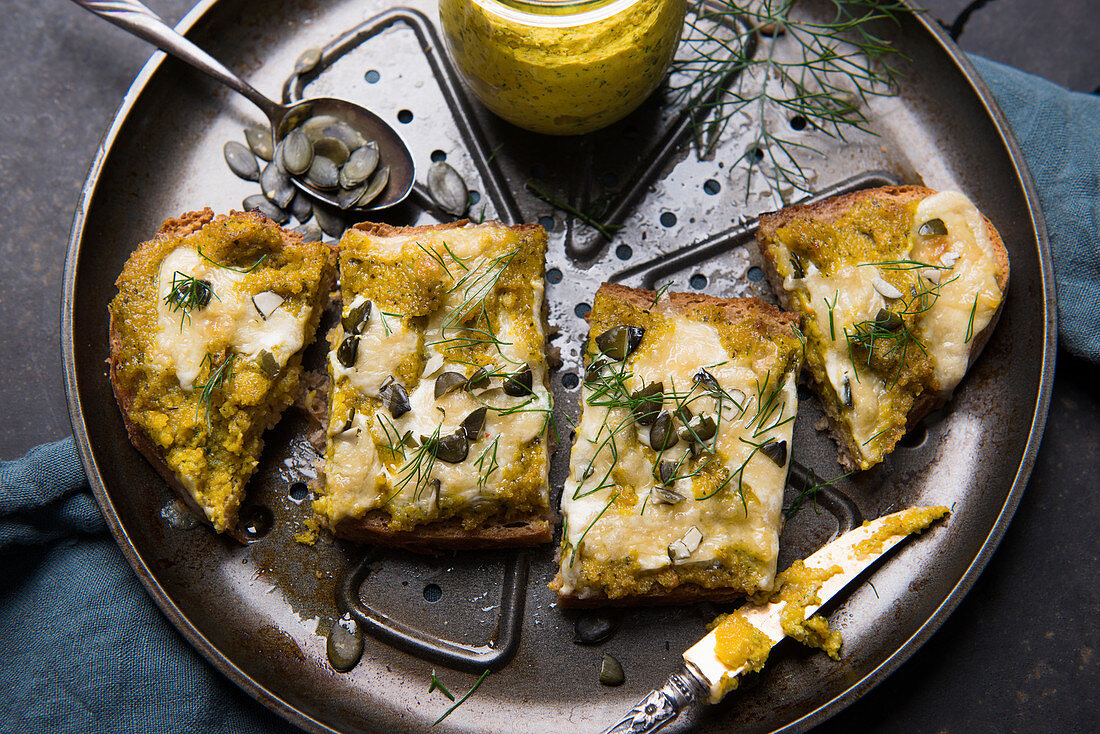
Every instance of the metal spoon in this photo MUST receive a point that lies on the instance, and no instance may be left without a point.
(135, 18)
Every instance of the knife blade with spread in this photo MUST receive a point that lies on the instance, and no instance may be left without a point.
(742, 640)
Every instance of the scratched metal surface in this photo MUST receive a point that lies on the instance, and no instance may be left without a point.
(259, 611)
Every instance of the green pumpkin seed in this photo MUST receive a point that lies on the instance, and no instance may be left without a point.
(259, 203)
(519, 384)
(346, 198)
(700, 428)
(665, 496)
(619, 342)
(776, 451)
(798, 270)
(395, 397)
(375, 187)
(478, 380)
(345, 644)
(357, 317)
(360, 165)
(932, 227)
(276, 186)
(346, 134)
(887, 319)
(332, 149)
(447, 189)
(314, 127)
(329, 221)
(268, 363)
(301, 208)
(297, 152)
(307, 61)
(648, 405)
(241, 161)
(448, 382)
(323, 173)
(611, 672)
(453, 448)
(666, 470)
(348, 350)
(310, 232)
(259, 141)
(474, 422)
(662, 435)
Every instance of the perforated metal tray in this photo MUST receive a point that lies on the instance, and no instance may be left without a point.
(259, 612)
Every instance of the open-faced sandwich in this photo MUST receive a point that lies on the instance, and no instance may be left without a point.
(899, 289)
(206, 337)
(439, 411)
(680, 458)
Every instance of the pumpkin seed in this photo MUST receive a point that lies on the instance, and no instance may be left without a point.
(949, 258)
(846, 393)
(886, 289)
(346, 134)
(448, 382)
(348, 350)
(707, 380)
(519, 383)
(310, 232)
(259, 203)
(323, 173)
(619, 342)
(932, 227)
(648, 403)
(265, 303)
(662, 435)
(259, 141)
(887, 319)
(666, 470)
(700, 428)
(268, 363)
(798, 270)
(395, 397)
(241, 161)
(375, 187)
(776, 451)
(330, 223)
(592, 371)
(360, 165)
(297, 152)
(345, 644)
(357, 316)
(332, 149)
(681, 550)
(474, 422)
(314, 127)
(478, 380)
(611, 672)
(665, 496)
(276, 186)
(307, 61)
(592, 628)
(447, 189)
(348, 423)
(453, 448)
(346, 198)
(301, 208)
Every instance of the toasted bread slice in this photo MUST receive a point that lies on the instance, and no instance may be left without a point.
(899, 289)
(206, 337)
(677, 471)
(439, 408)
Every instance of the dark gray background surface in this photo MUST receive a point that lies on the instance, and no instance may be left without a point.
(1019, 654)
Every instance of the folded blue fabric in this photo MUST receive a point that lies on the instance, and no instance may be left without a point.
(84, 649)
(1059, 133)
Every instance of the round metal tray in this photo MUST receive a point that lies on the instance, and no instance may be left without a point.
(259, 612)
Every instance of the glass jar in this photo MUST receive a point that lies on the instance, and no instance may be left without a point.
(562, 67)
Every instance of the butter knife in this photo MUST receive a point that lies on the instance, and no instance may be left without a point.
(704, 678)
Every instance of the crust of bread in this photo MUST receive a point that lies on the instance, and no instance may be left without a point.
(517, 532)
(832, 209)
(767, 317)
(181, 226)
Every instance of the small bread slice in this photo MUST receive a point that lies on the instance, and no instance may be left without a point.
(899, 289)
(439, 410)
(677, 471)
(206, 338)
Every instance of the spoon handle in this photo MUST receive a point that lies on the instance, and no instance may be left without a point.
(135, 18)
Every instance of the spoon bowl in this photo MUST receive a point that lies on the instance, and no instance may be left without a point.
(135, 18)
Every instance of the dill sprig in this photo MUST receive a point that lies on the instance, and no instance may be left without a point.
(970, 324)
(187, 294)
(216, 382)
(227, 267)
(436, 683)
(788, 68)
(470, 318)
(592, 219)
(487, 463)
(462, 700)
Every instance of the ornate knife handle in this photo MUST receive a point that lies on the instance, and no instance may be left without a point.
(683, 689)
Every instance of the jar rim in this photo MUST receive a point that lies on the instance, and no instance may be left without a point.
(555, 13)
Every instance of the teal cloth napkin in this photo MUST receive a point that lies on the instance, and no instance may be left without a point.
(84, 649)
